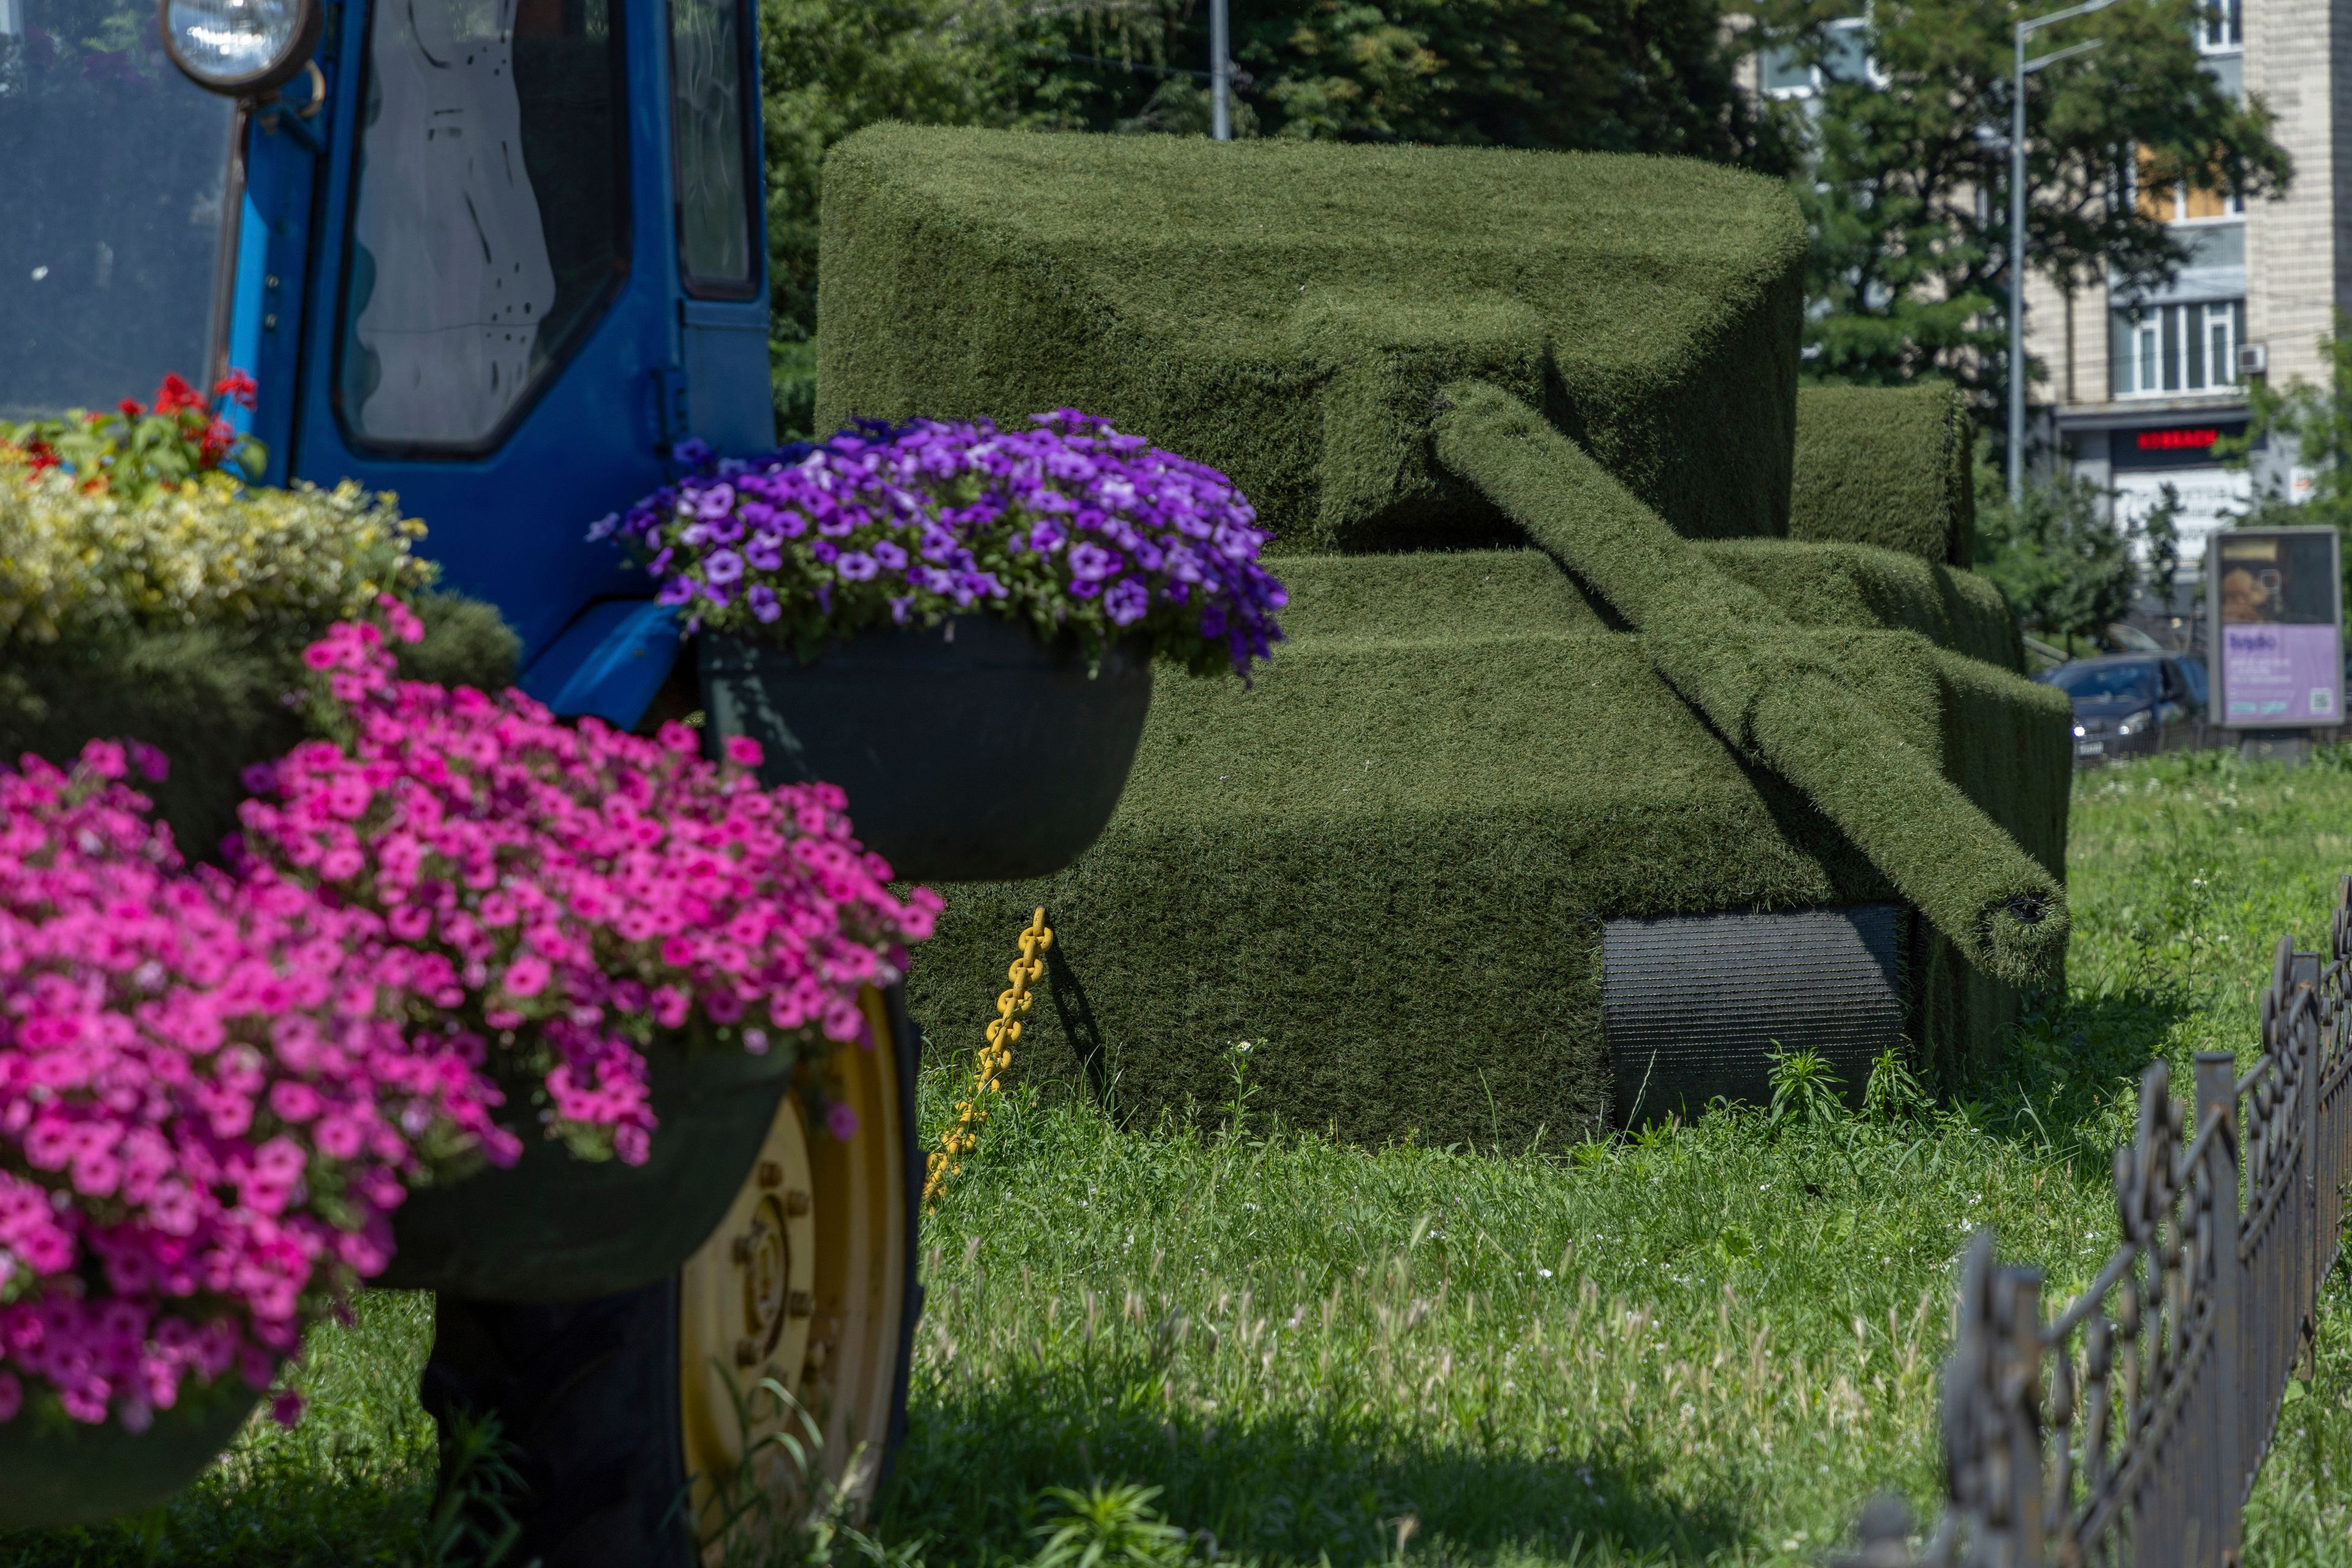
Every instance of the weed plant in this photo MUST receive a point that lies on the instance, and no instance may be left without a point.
(1701, 1344)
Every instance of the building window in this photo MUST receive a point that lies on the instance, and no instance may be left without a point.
(1845, 57)
(2220, 27)
(2177, 201)
(2170, 350)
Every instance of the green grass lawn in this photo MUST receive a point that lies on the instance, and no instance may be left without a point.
(1706, 1345)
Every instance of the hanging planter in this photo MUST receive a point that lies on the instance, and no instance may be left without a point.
(954, 624)
(553, 1227)
(1002, 755)
(60, 1473)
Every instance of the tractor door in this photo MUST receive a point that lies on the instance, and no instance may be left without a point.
(514, 257)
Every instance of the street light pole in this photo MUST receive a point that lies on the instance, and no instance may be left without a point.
(1220, 73)
(2026, 68)
(2017, 278)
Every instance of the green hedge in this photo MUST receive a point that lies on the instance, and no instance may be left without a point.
(1730, 652)
(1286, 311)
(1385, 597)
(210, 699)
(1886, 466)
(1388, 862)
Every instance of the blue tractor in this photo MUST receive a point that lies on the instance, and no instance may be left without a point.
(501, 257)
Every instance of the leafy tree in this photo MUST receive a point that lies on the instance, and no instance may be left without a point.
(828, 67)
(2316, 421)
(1618, 76)
(2058, 556)
(2161, 528)
(1908, 181)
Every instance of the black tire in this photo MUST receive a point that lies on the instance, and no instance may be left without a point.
(572, 1387)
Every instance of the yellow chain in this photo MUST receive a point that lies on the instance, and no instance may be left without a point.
(994, 1056)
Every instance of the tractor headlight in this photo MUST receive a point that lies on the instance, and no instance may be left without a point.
(242, 47)
(2134, 723)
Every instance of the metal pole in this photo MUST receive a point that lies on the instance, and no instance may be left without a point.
(2017, 278)
(1221, 74)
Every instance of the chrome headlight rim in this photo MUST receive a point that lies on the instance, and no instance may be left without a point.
(308, 24)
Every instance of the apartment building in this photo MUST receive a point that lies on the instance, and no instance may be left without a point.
(2141, 386)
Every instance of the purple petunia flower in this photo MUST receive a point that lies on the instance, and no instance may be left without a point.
(857, 566)
(761, 601)
(1125, 601)
(765, 552)
(1090, 561)
(890, 555)
(722, 566)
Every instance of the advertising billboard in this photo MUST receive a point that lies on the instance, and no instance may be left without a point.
(2277, 603)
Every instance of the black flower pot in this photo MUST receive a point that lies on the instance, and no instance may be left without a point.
(970, 751)
(58, 1473)
(554, 1228)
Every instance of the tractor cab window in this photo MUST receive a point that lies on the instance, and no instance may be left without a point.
(118, 182)
(709, 87)
(489, 227)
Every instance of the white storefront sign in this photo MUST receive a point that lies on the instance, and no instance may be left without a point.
(2210, 499)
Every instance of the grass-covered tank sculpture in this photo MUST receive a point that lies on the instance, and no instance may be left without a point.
(1593, 770)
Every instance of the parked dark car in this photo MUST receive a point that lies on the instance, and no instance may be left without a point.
(2131, 705)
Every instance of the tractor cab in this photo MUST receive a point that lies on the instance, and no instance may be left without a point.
(497, 258)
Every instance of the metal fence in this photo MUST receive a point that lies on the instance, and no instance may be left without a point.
(2126, 1428)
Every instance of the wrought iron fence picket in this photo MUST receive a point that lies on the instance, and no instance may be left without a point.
(2130, 1427)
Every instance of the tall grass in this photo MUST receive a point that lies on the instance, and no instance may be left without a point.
(1706, 1344)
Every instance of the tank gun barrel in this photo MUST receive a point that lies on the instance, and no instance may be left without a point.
(1756, 676)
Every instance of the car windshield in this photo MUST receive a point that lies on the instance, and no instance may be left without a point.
(2107, 682)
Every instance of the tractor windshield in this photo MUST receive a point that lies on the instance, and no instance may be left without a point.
(117, 172)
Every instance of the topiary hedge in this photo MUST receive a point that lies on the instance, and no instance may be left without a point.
(1388, 860)
(1286, 311)
(1732, 655)
(1886, 466)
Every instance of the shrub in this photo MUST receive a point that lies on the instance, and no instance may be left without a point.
(76, 560)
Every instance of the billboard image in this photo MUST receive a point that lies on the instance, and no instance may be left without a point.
(2277, 606)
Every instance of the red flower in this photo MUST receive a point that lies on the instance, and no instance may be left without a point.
(176, 394)
(131, 409)
(237, 387)
(218, 438)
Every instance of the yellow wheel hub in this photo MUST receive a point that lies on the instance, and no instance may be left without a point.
(804, 1283)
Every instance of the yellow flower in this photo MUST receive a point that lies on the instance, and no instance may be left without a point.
(72, 558)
